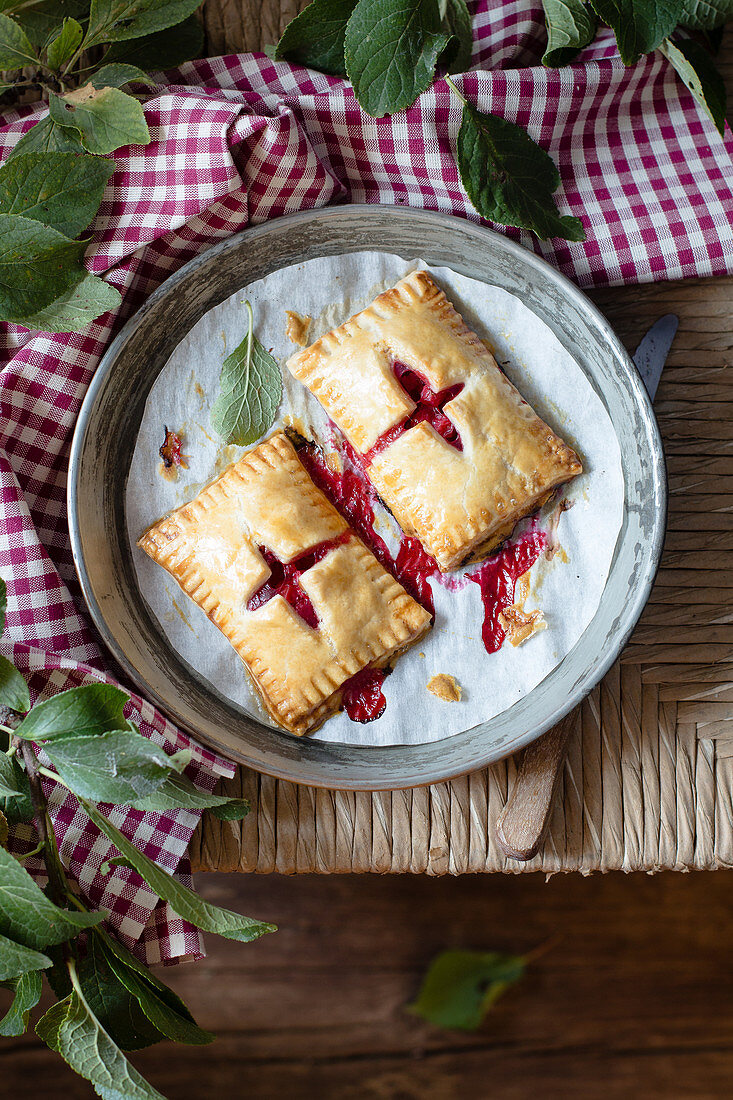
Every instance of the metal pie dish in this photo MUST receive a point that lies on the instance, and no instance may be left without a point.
(104, 442)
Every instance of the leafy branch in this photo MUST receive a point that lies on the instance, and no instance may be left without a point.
(107, 1003)
(391, 51)
(78, 55)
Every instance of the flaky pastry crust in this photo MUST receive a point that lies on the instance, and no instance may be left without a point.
(459, 503)
(211, 547)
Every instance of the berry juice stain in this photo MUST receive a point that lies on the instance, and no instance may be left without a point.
(497, 579)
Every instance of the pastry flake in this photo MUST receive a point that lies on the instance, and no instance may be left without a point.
(273, 564)
(452, 448)
(521, 625)
(297, 327)
(446, 687)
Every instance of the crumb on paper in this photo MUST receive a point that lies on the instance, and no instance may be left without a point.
(521, 625)
(297, 328)
(170, 453)
(445, 687)
(421, 655)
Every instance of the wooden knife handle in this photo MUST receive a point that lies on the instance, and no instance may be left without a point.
(521, 825)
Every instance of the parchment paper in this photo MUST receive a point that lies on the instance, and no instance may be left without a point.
(567, 588)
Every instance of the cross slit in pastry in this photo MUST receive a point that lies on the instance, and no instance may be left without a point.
(272, 563)
(449, 444)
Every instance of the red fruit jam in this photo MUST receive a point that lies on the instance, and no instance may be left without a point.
(284, 579)
(497, 579)
(429, 408)
(363, 698)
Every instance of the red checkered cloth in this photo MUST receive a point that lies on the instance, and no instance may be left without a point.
(237, 140)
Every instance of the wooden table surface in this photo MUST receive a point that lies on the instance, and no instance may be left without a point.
(633, 1001)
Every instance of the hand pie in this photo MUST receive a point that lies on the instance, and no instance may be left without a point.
(453, 450)
(272, 563)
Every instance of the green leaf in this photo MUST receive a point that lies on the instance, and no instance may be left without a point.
(47, 137)
(697, 70)
(181, 759)
(392, 47)
(3, 605)
(9, 781)
(37, 264)
(4, 830)
(63, 47)
(571, 25)
(62, 190)
(92, 708)
(106, 118)
(27, 989)
(58, 975)
(71, 1029)
(118, 766)
(116, 75)
(315, 38)
(14, 788)
(457, 22)
(15, 791)
(15, 959)
(461, 986)
(164, 50)
(181, 1029)
(117, 20)
(251, 389)
(13, 688)
(26, 914)
(706, 15)
(17, 811)
(110, 1001)
(16, 49)
(42, 20)
(639, 25)
(73, 311)
(208, 917)
(165, 993)
(178, 792)
(233, 810)
(509, 178)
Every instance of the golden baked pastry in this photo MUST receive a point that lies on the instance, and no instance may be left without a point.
(452, 448)
(272, 563)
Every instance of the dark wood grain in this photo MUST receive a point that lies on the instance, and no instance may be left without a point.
(632, 998)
